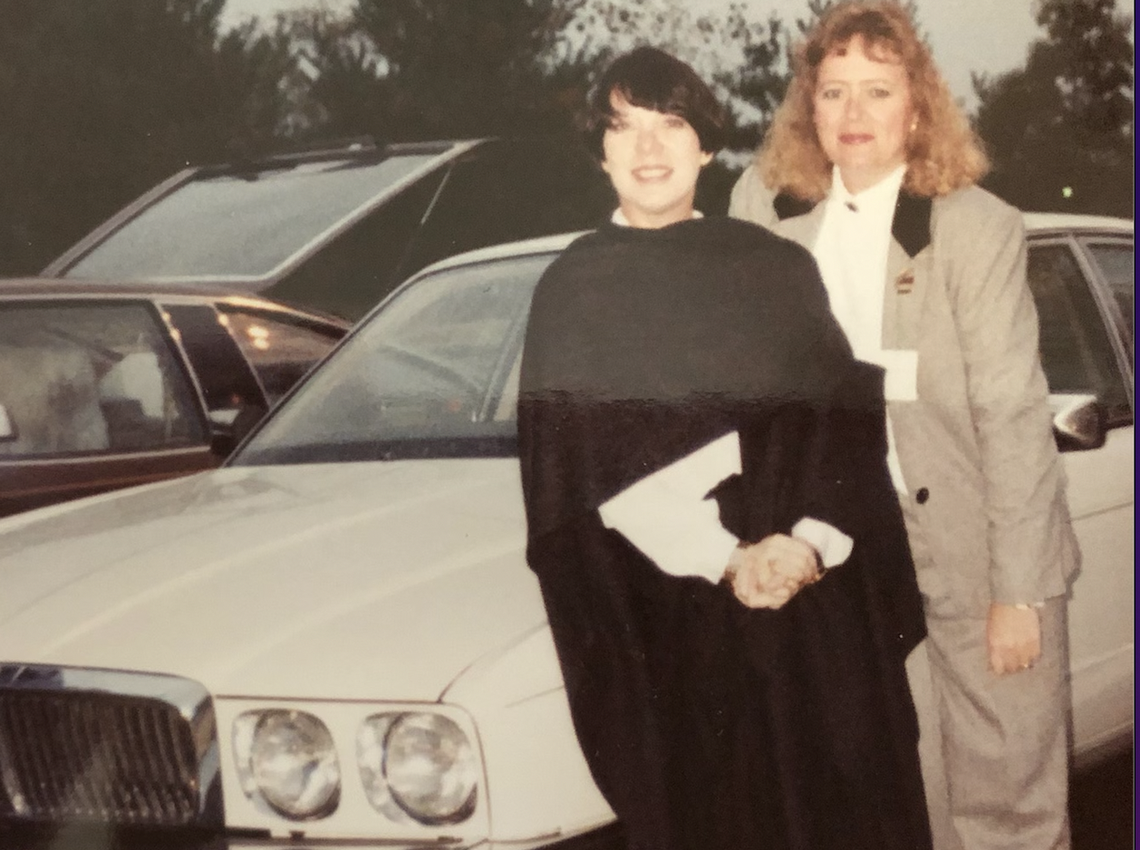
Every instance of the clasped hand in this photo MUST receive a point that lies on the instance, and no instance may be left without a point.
(769, 573)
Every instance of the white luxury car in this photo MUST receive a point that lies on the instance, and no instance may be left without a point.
(335, 640)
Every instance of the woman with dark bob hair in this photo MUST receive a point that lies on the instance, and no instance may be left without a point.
(872, 166)
(696, 440)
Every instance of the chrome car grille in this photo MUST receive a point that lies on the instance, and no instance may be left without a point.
(88, 745)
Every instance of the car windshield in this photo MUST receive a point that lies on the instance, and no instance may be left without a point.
(433, 374)
(242, 225)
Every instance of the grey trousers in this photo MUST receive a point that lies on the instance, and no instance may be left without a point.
(994, 749)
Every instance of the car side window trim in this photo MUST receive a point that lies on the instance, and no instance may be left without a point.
(1109, 308)
(1089, 243)
(280, 348)
(243, 386)
(1105, 305)
(286, 316)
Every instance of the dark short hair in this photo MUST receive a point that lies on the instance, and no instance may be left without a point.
(653, 79)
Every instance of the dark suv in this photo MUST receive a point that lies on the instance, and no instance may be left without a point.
(336, 229)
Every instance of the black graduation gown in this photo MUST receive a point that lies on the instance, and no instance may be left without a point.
(707, 725)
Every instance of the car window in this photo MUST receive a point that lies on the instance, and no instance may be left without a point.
(91, 378)
(225, 377)
(281, 351)
(241, 224)
(354, 272)
(1076, 350)
(424, 377)
(1117, 263)
(505, 190)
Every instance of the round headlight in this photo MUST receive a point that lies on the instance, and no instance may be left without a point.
(294, 765)
(431, 768)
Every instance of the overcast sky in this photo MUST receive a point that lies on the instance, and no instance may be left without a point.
(988, 36)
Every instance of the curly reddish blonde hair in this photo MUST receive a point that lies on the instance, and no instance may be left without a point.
(943, 152)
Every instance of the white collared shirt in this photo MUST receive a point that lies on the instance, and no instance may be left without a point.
(852, 249)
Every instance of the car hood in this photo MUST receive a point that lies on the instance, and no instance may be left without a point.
(377, 580)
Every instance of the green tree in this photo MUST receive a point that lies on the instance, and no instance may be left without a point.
(336, 87)
(1060, 130)
(102, 100)
(415, 69)
(439, 67)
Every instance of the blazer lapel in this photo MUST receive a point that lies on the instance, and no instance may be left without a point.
(802, 228)
(907, 259)
(911, 225)
(789, 206)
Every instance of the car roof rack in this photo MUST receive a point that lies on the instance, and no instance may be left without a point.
(241, 159)
(352, 146)
(318, 147)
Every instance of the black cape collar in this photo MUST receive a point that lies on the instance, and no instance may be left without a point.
(910, 226)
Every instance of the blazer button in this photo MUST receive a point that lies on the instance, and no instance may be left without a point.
(922, 495)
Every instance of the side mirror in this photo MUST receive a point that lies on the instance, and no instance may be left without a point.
(8, 431)
(229, 426)
(1080, 422)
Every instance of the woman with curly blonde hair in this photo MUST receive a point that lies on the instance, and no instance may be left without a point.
(942, 152)
(872, 166)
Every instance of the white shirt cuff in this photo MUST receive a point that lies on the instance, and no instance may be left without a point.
(833, 545)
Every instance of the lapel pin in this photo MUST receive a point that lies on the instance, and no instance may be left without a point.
(904, 283)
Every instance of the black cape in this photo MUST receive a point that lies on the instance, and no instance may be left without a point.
(707, 725)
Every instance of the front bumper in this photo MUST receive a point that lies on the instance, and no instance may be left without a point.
(83, 837)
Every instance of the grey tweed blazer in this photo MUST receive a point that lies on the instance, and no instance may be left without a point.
(985, 508)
